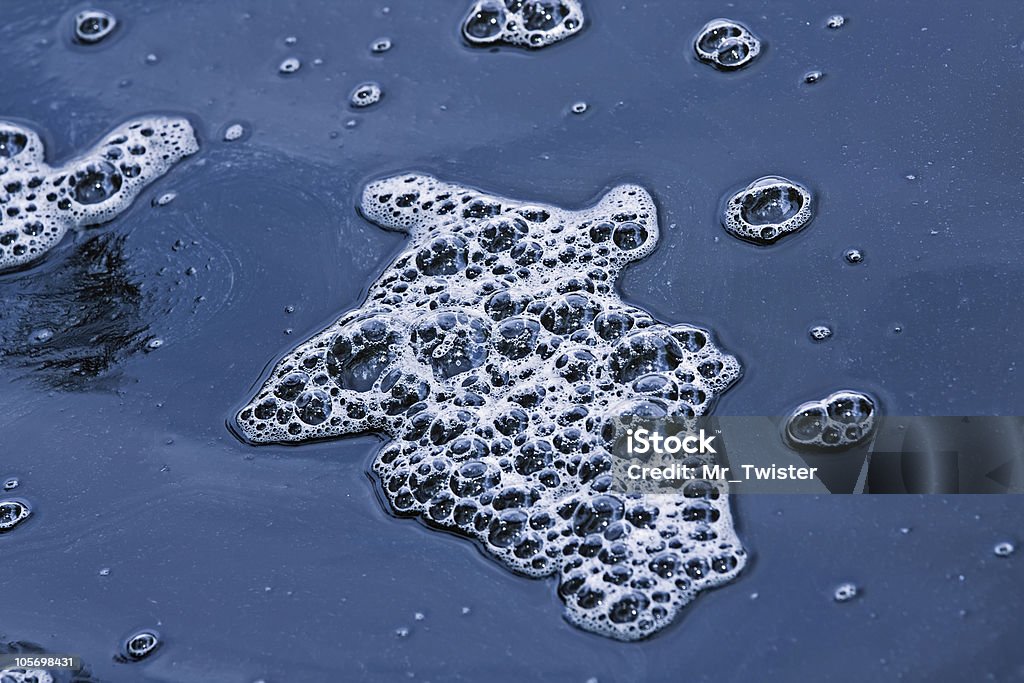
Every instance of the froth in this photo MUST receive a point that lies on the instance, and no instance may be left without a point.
(41, 202)
(495, 352)
(526, 23)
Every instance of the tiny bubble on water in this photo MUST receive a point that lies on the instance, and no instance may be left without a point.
(1004, 549)
(854, 256)
(835, 21)
(234, 132)
(402, 632)
(165, 199)
(141, 645)
(154, 344)
(466, 610)
(419, 616)
(289, 309)
(190, 270)
(289, 66)
(813, 77)
(579, 107)
(380, 45)
(820, 333)
(10, 484)
(291, 40)
(105, 571)
(152, 58)
(845, 592)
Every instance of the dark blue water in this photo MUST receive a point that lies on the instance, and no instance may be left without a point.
(281, 563)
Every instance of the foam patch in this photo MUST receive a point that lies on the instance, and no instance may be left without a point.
(495, 352)
(40, 203)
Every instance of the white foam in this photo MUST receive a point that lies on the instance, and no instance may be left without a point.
(493, 350)
(40, 203)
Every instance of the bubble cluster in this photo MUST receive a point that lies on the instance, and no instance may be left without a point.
(12, 513)
(820, 333)
(496, 353)
(40, 202)
(767, 209)
(23, 675)
(838, 421)
(525, 23)
(92, 26)
(726, 44)
(365, 94)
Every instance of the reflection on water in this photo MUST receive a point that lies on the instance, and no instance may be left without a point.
(70, 325)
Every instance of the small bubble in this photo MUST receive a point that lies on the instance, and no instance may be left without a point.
(291, 40)
(1004, 549)
(165, 199)
(380, 45)
(845, 592)
(402, 632)
(92, 26)
(151, 58)
(141, 645)
(910, 176)
(835, 21)
(105, 571)
(289, 66)
(365, 94)
(190, 270)
(419, 616)
(767, 209)
(234, 132)
(11, 484)
(289, 309)
(466, 610)
(820, 333)
(854, 256)
(13, 513)
(154, 344)
(579, 107)
(813, 77)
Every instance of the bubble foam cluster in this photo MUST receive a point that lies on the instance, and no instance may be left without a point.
(40, 203)
(496, 353)
(767, 209)
(726, 44)
(525, 23)
(838, 421)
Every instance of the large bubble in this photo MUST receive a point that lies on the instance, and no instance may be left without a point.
(492, 351)
(767, 209)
